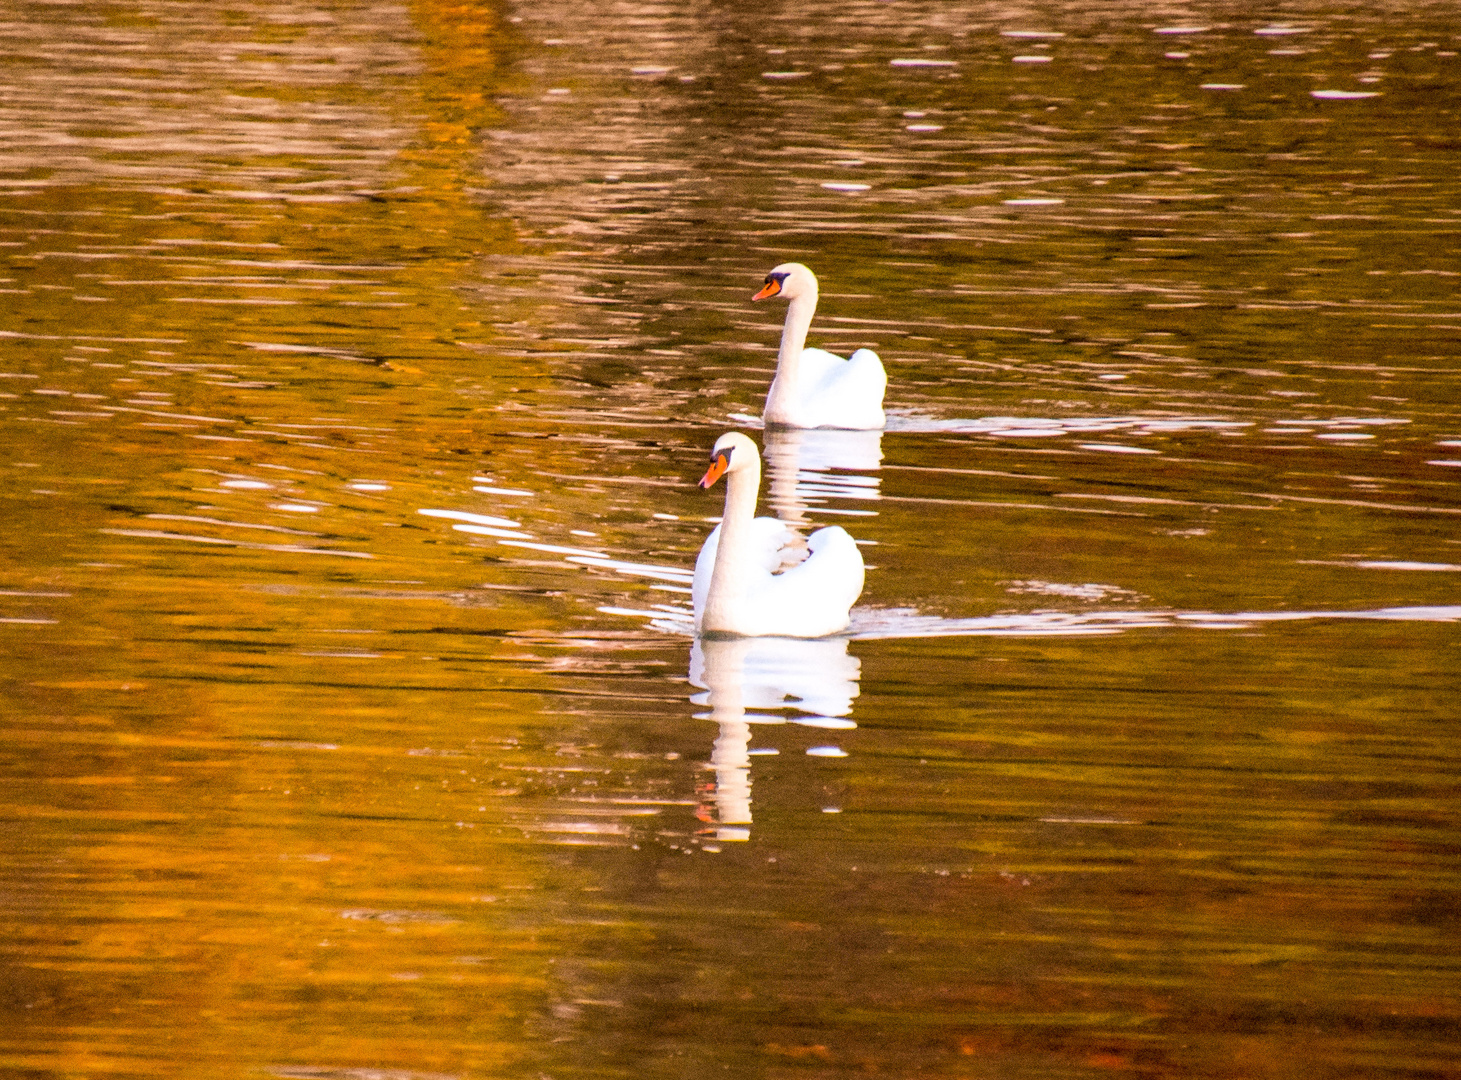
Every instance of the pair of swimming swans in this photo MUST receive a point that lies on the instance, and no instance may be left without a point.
(737, 589)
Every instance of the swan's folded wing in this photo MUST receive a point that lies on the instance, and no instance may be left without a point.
(819, 367)
(843, 393)
(767, 538)
(816, 595)
(836, 557)
(865, 366)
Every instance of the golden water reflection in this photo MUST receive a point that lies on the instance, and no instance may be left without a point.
(353, 385)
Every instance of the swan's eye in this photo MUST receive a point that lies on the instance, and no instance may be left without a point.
(771, 287)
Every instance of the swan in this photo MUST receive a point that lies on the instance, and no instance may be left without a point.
(812, 387)
(736, 589)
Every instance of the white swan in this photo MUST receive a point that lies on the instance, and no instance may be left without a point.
(736, 589)
(814, 388)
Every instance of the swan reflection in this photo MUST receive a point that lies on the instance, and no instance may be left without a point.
(754, 681)
(799, 463)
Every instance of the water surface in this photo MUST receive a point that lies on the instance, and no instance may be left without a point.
(357, 366)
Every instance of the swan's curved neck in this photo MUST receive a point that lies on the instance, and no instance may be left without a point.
(730, 575)
(788, 360)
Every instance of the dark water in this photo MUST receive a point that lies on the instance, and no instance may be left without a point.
(356, 368)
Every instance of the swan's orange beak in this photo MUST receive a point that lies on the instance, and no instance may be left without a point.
(718, 466)
(771, 288)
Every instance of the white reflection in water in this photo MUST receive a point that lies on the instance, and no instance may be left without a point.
(750, 681)
(1116, 448)
(799, 464)
(1014, 427)
(475, 519)
(874, 624)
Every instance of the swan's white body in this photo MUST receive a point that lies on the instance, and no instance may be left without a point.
(736, 589)
(812, 387)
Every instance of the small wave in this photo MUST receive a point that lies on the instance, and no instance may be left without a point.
(874, 624)
(1027, 427)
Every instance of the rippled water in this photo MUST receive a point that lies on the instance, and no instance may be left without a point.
(356, 369)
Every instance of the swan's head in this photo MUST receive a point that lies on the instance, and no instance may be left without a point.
(733, 451)
(789, 280)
